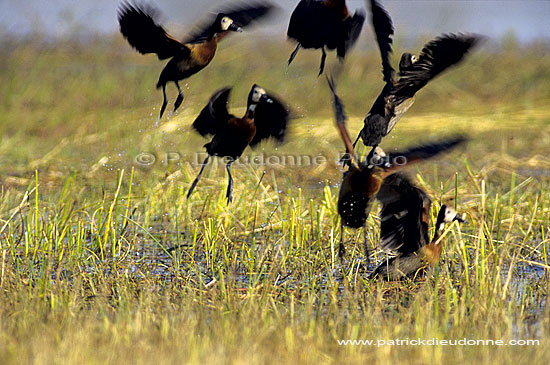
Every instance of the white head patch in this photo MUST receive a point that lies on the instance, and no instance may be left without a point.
(226, 22)
(257, 94)
(414, 59)
(450, 215)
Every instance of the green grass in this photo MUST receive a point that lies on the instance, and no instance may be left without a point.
(105, 260)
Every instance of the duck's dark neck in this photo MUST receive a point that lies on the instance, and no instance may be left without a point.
(439, 226)
(213, 31)
(218, 36)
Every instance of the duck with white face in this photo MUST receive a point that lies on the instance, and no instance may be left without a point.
(258, 95)
(398, 94)
(448, 215)
(265, 117)
(228, 24)
(139, 25)
(404, 223)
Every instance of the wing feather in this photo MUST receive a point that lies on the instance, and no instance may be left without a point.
(383, 28)
(139, 26)
(271, 120)
(354, 27)
(423, 152)
(314, 25)
(402, 229)
(436, 57)
(214, 116)
(242, 15)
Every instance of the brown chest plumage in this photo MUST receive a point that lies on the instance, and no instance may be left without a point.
(432, 253)
(203, 53)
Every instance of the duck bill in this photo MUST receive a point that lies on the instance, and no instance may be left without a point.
(266, 99)
(235, 28)
(460, 219)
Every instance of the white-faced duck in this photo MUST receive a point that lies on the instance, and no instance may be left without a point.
(324, 23)
(265, 117)
(404, 224)
(139, 25)
(398, 95)
(363, 179)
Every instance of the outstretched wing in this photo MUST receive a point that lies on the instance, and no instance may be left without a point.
(423, 152)
(403, 218)
(271, 120)
(436, 57)
(214, 116)
(383, 28)
(242, 15)
(139, 26)
(354, 26)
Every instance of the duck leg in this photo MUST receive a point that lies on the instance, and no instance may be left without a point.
(179, 100)
(229, 194)
(294, 53)
(323, 60)
(165, 101)
(198, 176)
(341, 247)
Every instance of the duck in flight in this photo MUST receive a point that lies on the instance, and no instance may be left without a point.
(321, 24)
(398, 94)
(265, 117)
(139, 25)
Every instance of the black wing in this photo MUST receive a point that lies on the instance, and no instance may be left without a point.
(404, 215)
(314, 25)
(241, 14)
(423, 152)
(354, 26)
(138, 25)
(304, 23)
(271, 120)
(214, 116)
(383, 28)
(436, 57)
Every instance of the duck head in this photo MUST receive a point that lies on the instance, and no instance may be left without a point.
(448, 215)
(407, 60)
(258, 95)
(224, 23)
